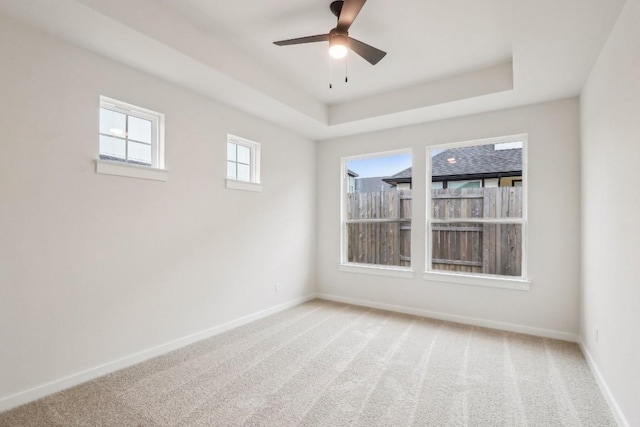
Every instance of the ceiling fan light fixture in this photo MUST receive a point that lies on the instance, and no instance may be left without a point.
(338, 46)
(338, 51)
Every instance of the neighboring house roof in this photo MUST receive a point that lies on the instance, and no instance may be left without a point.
(402, 176)
(351, 173)
(477, 161)
(367, 185)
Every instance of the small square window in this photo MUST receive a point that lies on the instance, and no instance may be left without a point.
(130, 136)
(243, 161)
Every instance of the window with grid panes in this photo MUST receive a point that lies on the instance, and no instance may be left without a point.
(243, 157)
(130, 134)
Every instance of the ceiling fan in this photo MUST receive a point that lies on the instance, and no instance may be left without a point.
(339, 41)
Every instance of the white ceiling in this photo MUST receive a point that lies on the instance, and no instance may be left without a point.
(444, 57)
(424, 40)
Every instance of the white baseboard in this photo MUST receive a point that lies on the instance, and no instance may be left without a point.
(604, 388)
(492, 324)
(63, 383)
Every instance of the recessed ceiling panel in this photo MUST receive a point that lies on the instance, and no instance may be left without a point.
(424, 40)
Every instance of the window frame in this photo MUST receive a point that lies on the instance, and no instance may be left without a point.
(375, 269)
(254, 166)
(156, 171)
(466, 181)
(521, 282)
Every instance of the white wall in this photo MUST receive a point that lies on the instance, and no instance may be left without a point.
(176, 257)
(610, 106)
(551, 306)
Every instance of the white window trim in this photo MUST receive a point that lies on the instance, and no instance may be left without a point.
(505, 282)
(374, 269)
(489, 281)
(235, 184)
(254, 149)
(378, 270)
(132, 171)
(156, 171)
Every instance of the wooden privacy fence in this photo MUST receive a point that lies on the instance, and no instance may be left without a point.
(383, 236)
(380, 229)
(478, 247)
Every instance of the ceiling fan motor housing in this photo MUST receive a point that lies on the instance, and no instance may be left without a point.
(338, 37)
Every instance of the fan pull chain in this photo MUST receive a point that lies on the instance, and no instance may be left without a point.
(346, 69)
(330, 73)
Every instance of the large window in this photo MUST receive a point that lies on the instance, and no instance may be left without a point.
(130, 135)
(476, 221)
(376, 210)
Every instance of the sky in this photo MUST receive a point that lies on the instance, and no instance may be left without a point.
(380, 166)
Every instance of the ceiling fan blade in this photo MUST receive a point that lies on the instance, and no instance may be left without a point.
(369, 53)
(301, 40)
(350, 9)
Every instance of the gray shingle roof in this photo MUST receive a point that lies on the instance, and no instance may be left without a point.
(476, 160)
(479, 159)
(403, 174)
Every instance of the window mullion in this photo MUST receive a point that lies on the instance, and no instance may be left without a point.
(477, 220)
(126, 137)
(377, 220)
(236, 163)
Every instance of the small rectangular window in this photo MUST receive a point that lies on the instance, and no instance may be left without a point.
(243, 163)
(130, 135)
(465, 184)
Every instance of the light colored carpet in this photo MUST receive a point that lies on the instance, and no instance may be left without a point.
(329, 364)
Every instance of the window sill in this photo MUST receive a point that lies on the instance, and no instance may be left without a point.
(400, 272)
(243, 185)
(485, 281)
(132, 171)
